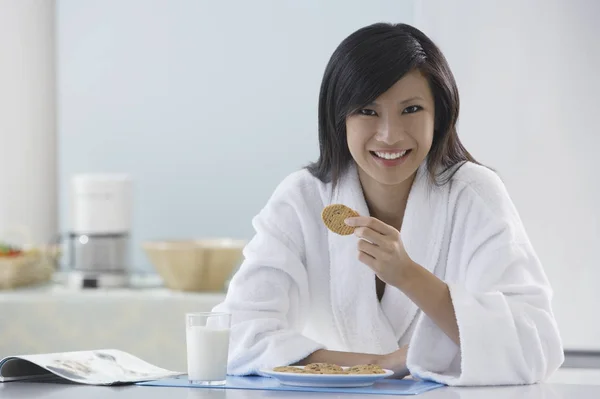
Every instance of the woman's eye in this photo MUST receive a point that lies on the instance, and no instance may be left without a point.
(412, 109)
(367, 112)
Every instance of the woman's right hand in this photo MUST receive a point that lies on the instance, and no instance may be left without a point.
(395, 361)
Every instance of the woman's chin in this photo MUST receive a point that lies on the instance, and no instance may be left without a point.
(389, 177)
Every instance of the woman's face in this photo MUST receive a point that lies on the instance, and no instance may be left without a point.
(391, 137)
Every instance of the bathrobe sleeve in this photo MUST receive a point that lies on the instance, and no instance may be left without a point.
(501, 297)
(268, 296)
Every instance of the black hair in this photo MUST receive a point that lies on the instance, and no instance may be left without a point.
(365, 65)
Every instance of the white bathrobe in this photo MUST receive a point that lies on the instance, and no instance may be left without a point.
(302, 288)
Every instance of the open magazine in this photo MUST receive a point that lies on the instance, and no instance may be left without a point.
(97, 367)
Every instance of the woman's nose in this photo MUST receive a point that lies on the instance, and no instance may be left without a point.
(390, 130)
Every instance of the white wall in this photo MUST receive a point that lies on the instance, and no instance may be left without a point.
(528, 76)
(27, 122)
(209, 104)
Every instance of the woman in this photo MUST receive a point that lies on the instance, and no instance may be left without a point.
(439, 278)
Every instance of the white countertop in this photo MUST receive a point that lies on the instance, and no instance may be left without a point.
(55, 391)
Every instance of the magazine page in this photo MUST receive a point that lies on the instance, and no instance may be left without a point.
(98, 367)
(15, 369)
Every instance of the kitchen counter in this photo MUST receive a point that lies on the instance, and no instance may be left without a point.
(146, 322)
(23, 390)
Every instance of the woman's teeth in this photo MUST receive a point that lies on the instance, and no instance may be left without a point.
(390, 155)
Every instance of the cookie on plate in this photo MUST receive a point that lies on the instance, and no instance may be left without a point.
(324, 368)
(288, 369)
(366, 369)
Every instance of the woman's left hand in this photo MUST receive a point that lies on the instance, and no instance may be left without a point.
(395, 361)
(380, 248)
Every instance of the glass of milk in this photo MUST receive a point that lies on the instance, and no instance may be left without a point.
(207, 338)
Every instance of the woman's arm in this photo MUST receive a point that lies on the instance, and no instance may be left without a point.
(500, 294)
(381, 249)
(344, 359)
(496, 294)
(395, 361)
(432, 296)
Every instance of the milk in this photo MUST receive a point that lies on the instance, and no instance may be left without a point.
(207, 350)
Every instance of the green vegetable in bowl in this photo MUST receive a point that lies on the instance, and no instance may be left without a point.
(7, 250)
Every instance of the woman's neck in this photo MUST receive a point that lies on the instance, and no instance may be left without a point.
(386, 203)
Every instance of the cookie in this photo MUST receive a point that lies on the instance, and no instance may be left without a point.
(288, 369)
(320, 366)
(333, 371)
(334, 215)
(324, 368)
(366, 369)
(328, 368)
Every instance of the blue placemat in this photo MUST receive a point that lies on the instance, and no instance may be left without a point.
(381, 387)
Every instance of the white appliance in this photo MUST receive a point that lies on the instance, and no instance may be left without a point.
(99, 234)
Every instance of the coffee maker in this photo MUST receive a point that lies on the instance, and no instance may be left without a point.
(99, 234)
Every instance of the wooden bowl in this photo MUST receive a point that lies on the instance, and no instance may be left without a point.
(195, 265)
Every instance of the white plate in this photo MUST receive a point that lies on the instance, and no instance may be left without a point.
(326, 380)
